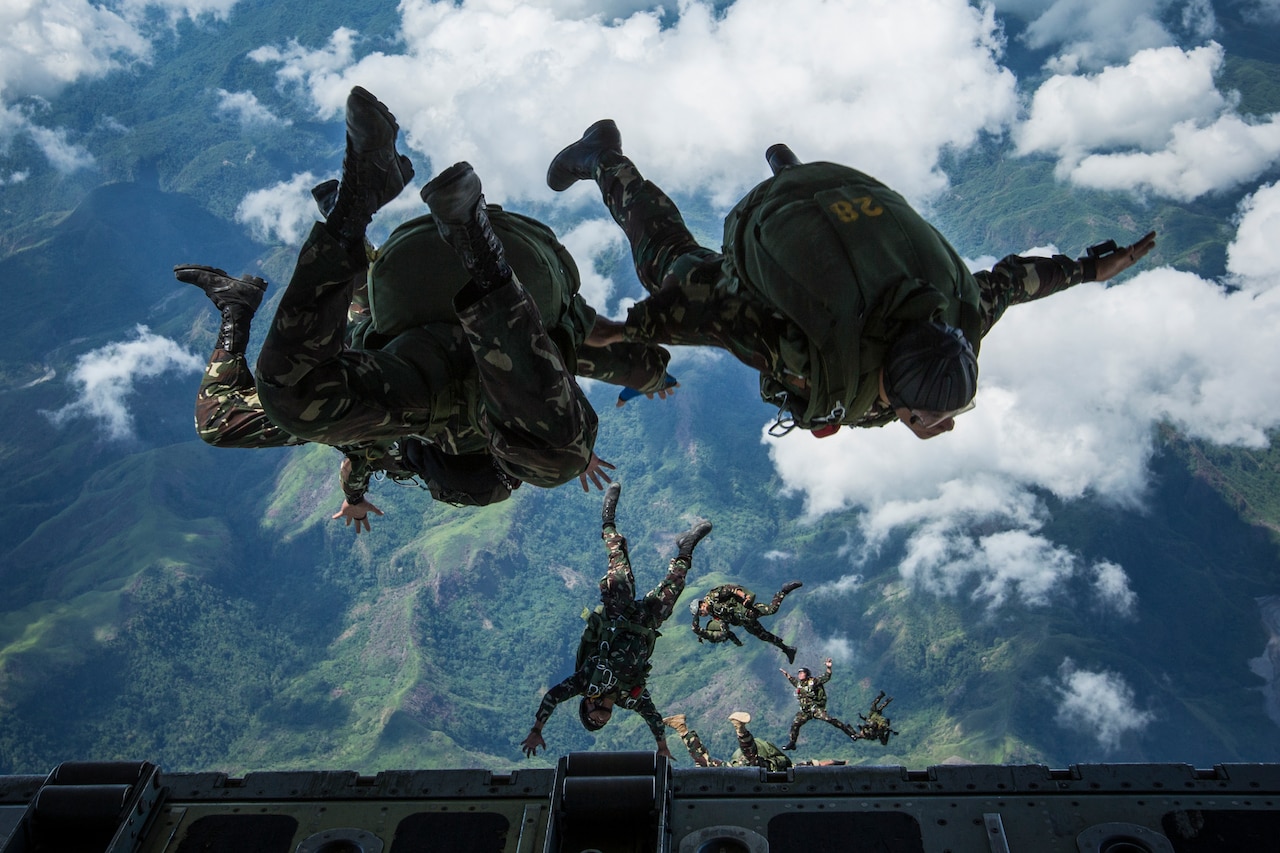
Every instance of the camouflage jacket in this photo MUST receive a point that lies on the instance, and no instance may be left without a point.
(810, 692)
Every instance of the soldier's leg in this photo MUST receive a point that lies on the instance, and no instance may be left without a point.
(697, 751)
(228, 412)
(661, 244)
(746, 740)
(307, 382)
(772, 607)
(618, 586)
(661, 600)
(539, 423)
(755, 629)
(821, 714)
(801, 718)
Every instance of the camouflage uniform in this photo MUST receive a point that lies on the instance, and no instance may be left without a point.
(228, 413)
(812, 696)
(748, 753)
(695, 300)
(522, 406)
(876, 726)
(624, 681)
(731, 604)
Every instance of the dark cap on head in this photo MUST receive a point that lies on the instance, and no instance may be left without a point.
(805, 670)
(930, 367)
(584, 707)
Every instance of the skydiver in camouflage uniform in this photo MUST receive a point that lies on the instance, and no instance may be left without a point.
(729, 605)
(812, 696)
(876, 726)
(751, 751)
(492, 387)
(907, 352)
(612, 665)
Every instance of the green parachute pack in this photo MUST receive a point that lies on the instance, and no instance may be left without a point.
(415, 275)
(847, 261)
(622, 649)
(770, 757)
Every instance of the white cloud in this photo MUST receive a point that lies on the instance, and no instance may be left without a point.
(505, 85)
(586, 242)
(1157, 124)
(106, 377)
(52, 43)
(1111, 585)
(246, 108)
(64, 156)
(1254, 257)
(283, 212)
(1100, 704)
(1261, 11)
(1087, 34)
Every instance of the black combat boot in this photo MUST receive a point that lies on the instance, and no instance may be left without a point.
(373, 172)
(610, 509)
(457, 204)
(326, 196)
(235, 298)
(790, 587)
(577, 162)
(790, 652)
(688, 541)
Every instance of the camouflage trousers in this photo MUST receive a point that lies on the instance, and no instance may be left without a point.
(228, 412)
(530, 410)
(618, 586)
(700, 756)
(804, 715)
(685, 280)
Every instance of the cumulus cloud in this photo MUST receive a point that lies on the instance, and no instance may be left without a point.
(1253, 257)
(53, 43)
(1087, 34)
(699, 96)
(587, 242)
(1072, 389)
(282, 212)
(1100, 704)
(247, 109)
(1157, 124)
(106, 376)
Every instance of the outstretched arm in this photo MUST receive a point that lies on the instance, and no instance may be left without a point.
(1017, 279)
(1111, 265)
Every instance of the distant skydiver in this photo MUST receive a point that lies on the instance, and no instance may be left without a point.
(854, 309)
(729, 605)
(612, 664)
(473, 392)
(876, 726)
(812, 696)
(751, 751)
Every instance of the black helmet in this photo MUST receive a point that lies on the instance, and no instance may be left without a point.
(930, 367)
(588, 723)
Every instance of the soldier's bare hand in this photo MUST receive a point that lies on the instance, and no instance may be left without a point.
(1119, 261)
(828, 663)
(595, 471)
(358, 513)
(663, 749)
(530, 745)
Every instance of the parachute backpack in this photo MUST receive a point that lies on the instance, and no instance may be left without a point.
(622, 650)
(468, 479)
(415, 276)
(848, 262)
(769, 757)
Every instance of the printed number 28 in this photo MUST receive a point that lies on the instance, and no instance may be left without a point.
(847, 211)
